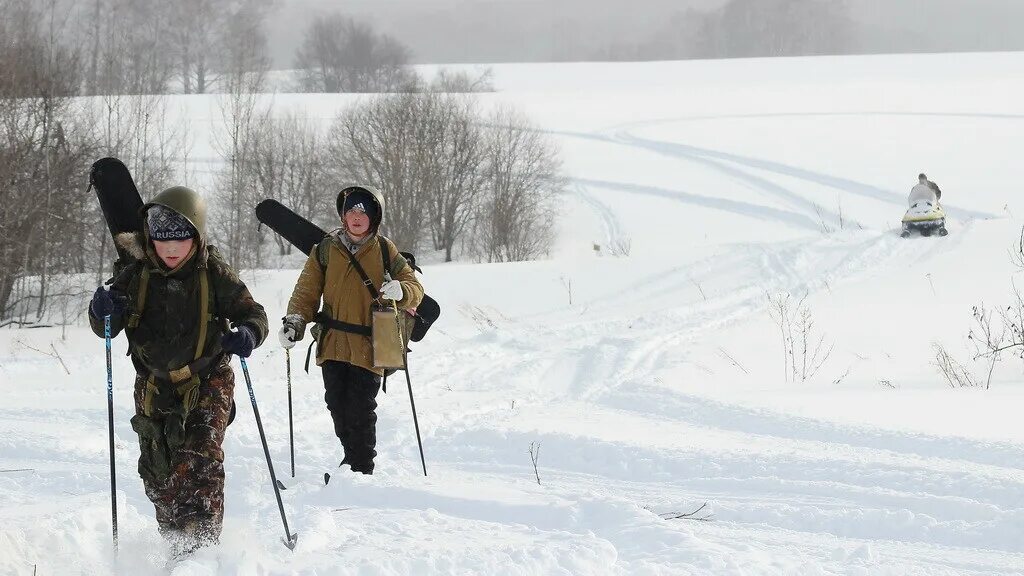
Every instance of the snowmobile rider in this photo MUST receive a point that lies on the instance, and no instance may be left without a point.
(342, 330)
(174, 301)
(924, 191)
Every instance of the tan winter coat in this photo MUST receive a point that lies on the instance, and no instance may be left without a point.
(346, 299)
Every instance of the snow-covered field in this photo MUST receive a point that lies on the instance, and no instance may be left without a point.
(652, 381)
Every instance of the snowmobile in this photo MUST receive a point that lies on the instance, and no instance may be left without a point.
(924, 218)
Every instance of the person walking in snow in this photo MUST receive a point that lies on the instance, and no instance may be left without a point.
(342, 331)
(174, 301)
(924, 191)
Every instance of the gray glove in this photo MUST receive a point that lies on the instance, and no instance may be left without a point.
(292, 330)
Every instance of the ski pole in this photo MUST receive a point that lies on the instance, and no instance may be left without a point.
(291, 429)
(408, 381)
(110, 428)
(414, 420)
(291, 538)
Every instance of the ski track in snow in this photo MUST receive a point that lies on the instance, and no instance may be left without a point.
(746, 209)
(706, 155)
(738, 167)
(783, 115)
(847, 481)
(609, 222)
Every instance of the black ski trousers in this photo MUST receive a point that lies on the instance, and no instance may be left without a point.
(351, 396)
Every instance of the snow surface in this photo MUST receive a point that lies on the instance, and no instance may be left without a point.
(651, 381)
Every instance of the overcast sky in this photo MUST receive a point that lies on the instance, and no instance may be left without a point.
(530, 30)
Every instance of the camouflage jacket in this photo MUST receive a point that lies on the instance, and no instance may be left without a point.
(168, 326)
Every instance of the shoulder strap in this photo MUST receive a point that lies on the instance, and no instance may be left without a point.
(385, 257)
(323, 252)
(133, 320)
(362, 273)
(204, 311)
(393, 266)
(205, 305)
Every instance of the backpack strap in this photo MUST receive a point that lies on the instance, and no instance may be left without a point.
(392, 267)
(186, 378)
(323, 249)
(205, 305)
(370, 287)
(204, 311)
(323, 253)
(385, 256)
(133, 320)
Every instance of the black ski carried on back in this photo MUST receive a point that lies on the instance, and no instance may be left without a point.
(119, 199)
(298, 231)
(122, 210)
(305, 235)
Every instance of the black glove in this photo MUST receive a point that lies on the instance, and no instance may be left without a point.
(107, 303)
(240, 342)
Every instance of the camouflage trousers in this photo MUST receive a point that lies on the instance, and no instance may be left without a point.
(189, 500)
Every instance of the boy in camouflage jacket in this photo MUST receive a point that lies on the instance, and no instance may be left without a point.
(175, 299)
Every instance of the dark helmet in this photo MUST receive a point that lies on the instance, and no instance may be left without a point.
(351, 195)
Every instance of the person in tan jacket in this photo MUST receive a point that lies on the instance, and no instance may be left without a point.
(344, 351)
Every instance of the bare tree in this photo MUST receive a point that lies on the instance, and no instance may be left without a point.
(425, 152)
(140, 131)
(339, 54)
(288, 161)
(244, 61)
(49, 225)
(44, 216)
(205, 33)
(462, 82)
(141, 46)
(129, 47)
(447, 171)
(523, 182)
(193, 35)
(33, 60)
(235, 229)
(375, 143)
(452, 149)
(804, 350)
(43, 143)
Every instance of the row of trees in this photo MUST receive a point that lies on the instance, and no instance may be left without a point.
(192, 46)
(203, 46)
(747, 28)
(154, 47)
(457, 181)
(456, 178)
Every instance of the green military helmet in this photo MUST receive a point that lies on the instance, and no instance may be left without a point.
(184, 201)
